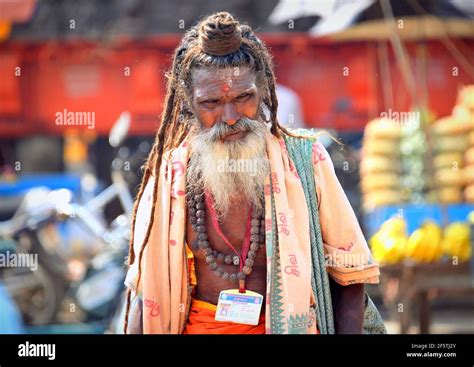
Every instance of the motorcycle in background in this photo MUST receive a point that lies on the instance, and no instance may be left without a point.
(95, 286)
(38, 289)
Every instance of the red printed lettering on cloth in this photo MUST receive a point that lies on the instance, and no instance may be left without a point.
(178, 168)
(153, 306)
(318, 154)
(290, 162)
(177, 171)
(267, 190)
(283, 146)
(275, 183)
(175, 193)
(283, 224)
(172, 242)
(292, 269)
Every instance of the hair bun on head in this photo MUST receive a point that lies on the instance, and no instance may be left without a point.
(220, 34)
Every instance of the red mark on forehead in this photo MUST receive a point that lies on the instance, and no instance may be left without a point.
(225, 87)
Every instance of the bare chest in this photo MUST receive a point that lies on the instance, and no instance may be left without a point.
(209, 282)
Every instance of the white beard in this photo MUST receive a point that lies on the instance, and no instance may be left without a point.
(233, 172)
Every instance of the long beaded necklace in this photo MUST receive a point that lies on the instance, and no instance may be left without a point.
(254, 239)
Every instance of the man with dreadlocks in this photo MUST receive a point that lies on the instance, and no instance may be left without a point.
(222, 236)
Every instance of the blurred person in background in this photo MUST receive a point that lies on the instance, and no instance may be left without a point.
(290, 111)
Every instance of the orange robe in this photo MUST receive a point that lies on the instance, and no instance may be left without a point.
(201, 321)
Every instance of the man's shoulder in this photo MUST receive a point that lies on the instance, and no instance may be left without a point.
(302, 132)
(300, 139)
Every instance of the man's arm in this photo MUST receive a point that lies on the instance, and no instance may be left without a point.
(135, 320)
(348, 304)
(344, 245)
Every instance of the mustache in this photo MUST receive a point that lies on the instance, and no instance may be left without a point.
(221, 129)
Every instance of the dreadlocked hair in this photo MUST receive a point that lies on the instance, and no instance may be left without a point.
(217, 41)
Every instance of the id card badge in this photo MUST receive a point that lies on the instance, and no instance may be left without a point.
(241, 308)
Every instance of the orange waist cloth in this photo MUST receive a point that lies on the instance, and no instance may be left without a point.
(201, 321)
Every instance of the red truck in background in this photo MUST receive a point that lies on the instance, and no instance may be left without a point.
(341, 85)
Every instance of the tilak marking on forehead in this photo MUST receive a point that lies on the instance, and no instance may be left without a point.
(226, 86)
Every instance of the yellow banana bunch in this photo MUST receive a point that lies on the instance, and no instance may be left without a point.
(456, 241)
(427, 244)
(388, 244)
(424, 245)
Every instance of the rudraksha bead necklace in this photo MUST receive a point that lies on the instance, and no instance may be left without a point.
(254, 239)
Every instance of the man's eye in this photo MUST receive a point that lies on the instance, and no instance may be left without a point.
(244, 97)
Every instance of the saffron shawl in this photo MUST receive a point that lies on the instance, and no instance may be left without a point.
(292, 283)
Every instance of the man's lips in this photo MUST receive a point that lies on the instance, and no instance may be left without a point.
(235, 136)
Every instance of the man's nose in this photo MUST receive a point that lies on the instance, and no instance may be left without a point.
(230, 115)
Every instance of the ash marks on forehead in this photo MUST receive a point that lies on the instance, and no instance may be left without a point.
(217, 81)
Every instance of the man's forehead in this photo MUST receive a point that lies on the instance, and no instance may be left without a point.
(224, 74)
(223, 79)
